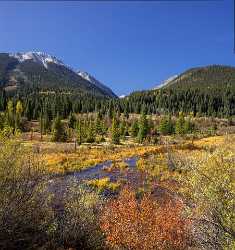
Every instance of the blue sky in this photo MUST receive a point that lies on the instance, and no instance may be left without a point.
(126, 45)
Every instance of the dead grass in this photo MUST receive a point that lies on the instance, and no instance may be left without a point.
(61, 157)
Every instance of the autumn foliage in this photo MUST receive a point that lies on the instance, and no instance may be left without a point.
(144, 224)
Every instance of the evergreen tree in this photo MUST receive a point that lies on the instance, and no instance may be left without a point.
(85, 125)
(163, 126)
(110, 111)
(72, 121)
(122, 128)
(98, 126)
(19, 111)
(103, 131)
(180, 124)
(166, 126)
(188, 125)
(47, 122)
(143, 127)
(115, 136)
(19, 108)
(44, 122)
(91, 133)
(58, 130)
(126, 113)
(134, 129)
(41, 125)
(79, 132)
(10, 114)
(2, 100)
(2, 121)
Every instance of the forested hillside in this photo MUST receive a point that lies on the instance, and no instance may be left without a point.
(207, 91)
(212, 76)
(204, 91)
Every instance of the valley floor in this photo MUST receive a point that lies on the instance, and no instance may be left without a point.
(65, 157)
(175, 193)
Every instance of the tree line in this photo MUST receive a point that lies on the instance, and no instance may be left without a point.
(96, 127)
(214, 102)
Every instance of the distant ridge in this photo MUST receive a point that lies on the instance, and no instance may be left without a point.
(203, 91)
(203, 77)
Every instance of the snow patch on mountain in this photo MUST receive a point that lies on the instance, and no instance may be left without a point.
(38, 57)
(164, 83)
(87, 77)
(122, 96)
(94, 81)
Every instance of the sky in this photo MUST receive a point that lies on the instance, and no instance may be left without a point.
(126, 45)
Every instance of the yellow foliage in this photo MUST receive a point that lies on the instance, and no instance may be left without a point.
(103, 183)
(59, 161)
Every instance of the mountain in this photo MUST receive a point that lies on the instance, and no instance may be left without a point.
(208, 90)
(46, 72)
(97, 83)
(37, 57)
(164, 83)
(212, 76)
(201, 77)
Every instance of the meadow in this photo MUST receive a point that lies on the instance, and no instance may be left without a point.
(176, 192)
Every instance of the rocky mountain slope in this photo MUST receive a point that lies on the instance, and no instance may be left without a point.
(46, 72)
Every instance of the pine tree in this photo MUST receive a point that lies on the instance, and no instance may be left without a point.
(163, 126)
(19, 111)
(98, 126)
(188, 125)
(2, 121)
(103, 131)
(166, 126)
(180, 123)
(110, 112)
(79, 132)
(126, 113)
(122, 128)
(44, 122)
(91, 133)
(58, 130)
(10, 114)
(47, 122)
(143, 127)
(2, 100)
(19, 108)
(115, 136)
(134, 129)
(41, 125)
(72, 121)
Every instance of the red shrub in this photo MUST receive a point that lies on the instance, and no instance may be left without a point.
(133, 224)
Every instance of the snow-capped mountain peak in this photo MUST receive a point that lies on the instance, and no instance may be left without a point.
(38, 57)
(45, 60)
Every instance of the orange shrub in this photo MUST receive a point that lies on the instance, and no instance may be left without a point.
(143, 224)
